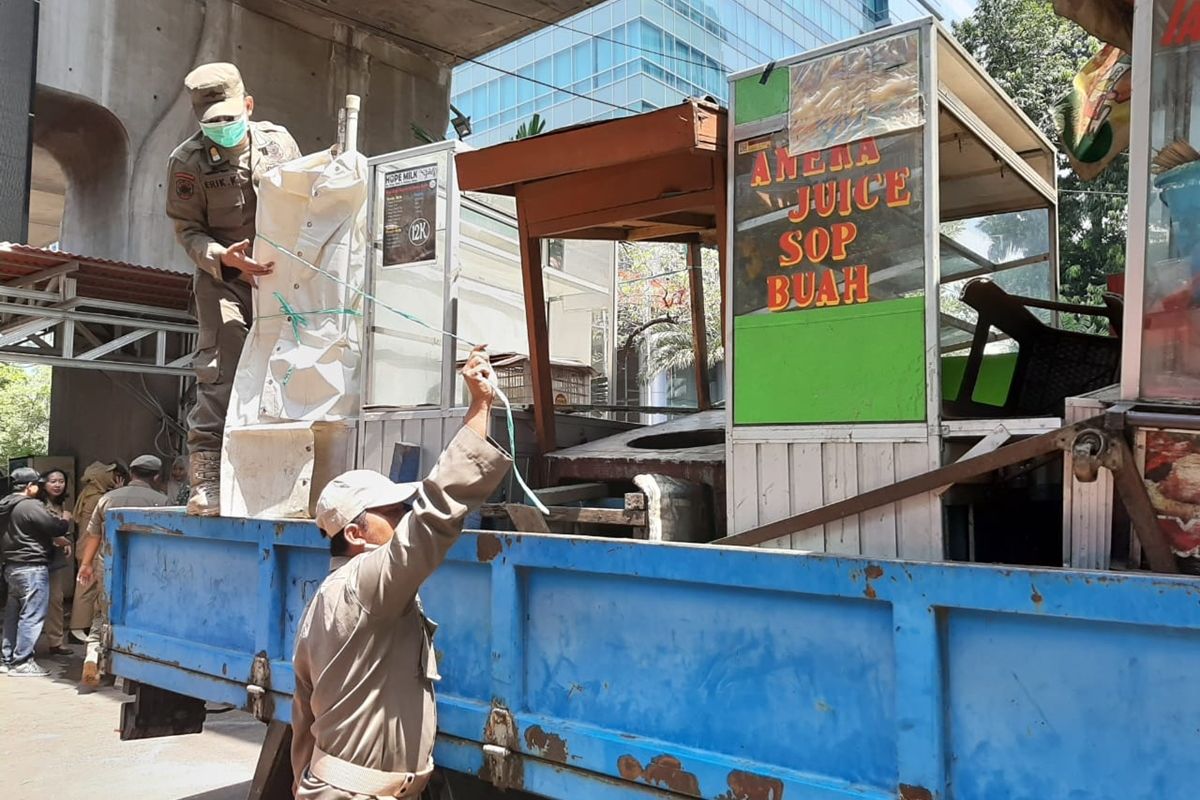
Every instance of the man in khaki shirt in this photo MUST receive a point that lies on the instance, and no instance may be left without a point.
(140, 492)
(212, 197)
(363, 712)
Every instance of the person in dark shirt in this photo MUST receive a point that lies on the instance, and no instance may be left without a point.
(30, 535)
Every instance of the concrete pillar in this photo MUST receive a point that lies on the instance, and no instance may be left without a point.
(111, 106)
(102, 416)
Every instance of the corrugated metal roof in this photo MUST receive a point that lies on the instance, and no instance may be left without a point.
(101, 278)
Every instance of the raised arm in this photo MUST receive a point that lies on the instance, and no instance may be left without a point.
(386, 580)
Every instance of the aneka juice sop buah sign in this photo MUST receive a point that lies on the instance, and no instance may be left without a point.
(824, 220)
(837, 226)
(828, 259)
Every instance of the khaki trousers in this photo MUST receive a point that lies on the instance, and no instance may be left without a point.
(100, 619)
(83, 607)
(52, 631)
(224, 312)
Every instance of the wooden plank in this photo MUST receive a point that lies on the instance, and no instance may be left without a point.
(877, 467)
(526, 518)
(841, 482)
(919, 529)
(721, 208)
(273, 773)
(668, 231)
(993, 441)
(774, 488)
(1132, 490)
(808, 492)
(539, 337)
(561, 226)
(699, 327)
(612, 190)
(745, 498)
(905, 432)
(627, 517)
(1072, 530)
(635, 502)
(608, 144)
(573, 493)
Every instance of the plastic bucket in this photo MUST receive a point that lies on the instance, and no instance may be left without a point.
(1180, 189)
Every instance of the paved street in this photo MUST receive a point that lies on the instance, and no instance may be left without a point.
(56, 742)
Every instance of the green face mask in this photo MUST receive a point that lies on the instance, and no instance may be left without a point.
(226, 134)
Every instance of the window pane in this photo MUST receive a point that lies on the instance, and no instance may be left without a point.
(603, 54)
(543, 70)
(562, 68)
(583, 59)
(524, 87)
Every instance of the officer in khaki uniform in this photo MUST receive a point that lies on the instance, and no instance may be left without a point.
(212, 198)
(140, 492)
(363, 713)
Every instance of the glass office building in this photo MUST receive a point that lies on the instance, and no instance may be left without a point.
(629, 56)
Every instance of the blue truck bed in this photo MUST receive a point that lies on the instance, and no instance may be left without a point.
(597, 668)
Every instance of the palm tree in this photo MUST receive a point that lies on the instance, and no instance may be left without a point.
(671, 350)
(533, 127)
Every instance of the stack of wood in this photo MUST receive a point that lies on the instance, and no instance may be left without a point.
(564, 518)
(1175, 154)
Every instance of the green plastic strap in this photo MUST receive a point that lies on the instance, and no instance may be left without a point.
(298, 319)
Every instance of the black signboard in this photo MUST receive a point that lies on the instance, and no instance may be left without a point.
(410, 216)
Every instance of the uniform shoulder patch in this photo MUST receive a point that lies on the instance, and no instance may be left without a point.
(192, 145)
(185, 185)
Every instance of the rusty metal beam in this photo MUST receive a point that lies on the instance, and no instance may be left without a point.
(1132, 490)
(929, 481)
(1131, 487)
(699, 329)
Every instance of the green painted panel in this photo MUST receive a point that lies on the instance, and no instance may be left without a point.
(858, 363)
(995, 377)
(755, 100)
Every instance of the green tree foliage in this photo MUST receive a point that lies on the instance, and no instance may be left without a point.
(24, 411)
(654, 302)
(1034, 54)
(533, 127)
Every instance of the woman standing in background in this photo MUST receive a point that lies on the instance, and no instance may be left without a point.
(53, 492)
(177, 483)
(98, 479)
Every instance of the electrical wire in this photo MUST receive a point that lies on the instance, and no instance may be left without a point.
(715, 67)
(656, 275)
(389, 34)
(1093, 191)
(147, 399)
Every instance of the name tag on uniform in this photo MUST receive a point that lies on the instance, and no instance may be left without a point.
(223, 181)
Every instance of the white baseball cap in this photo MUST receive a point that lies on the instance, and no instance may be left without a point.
(353, 492)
